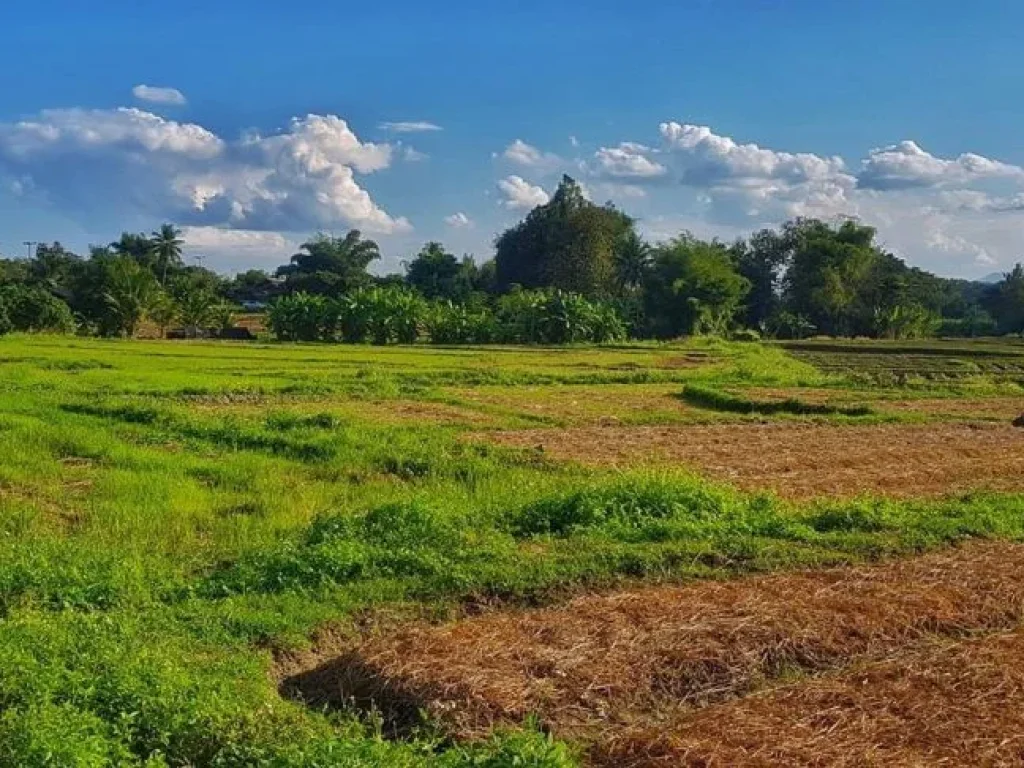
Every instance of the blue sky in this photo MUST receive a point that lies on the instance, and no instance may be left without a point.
(262, 121)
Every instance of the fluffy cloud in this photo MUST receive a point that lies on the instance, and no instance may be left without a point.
(238, 249)
(130, 160)
(906, 165)
(412, 126)
(155, 95)
(955, 215)
(627, 161)
(706, 159)
(521, 195)
(69, 132)
(458, 220)
(521, 153)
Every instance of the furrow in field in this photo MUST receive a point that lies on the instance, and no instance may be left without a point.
(602, 660)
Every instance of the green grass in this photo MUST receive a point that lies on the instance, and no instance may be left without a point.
(172, 513)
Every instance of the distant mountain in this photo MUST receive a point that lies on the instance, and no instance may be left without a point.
(995, 277)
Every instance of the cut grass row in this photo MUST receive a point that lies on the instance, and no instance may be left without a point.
(627, 656)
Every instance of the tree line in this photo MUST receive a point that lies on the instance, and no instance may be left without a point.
(571, 270)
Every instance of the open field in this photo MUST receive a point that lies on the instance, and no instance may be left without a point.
(805, 461)
(252, 554)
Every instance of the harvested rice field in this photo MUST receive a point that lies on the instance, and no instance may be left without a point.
(802, 461)
(945, 703)
(701, 553)
(602, 661)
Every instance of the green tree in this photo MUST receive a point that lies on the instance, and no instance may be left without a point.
(136, 246)
(831, 274)
(53, 267)
(1005, 301)
(567, 243)
(632, 261)
(129, 292)
(166, 247)
(437, 274)
(32, 308)
(693, 287)
(163, 311)
(196, 300)
(331, 265)
(762, 260)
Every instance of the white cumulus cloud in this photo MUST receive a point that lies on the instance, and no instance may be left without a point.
(521, 195)
(458, 220)
(156, 95)
(628, 161)
(706, 159)
(129, 160)
(906, 165)
(529, 156)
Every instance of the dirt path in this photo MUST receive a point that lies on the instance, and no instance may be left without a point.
(601, 662)
(947, 704)
(802, 461)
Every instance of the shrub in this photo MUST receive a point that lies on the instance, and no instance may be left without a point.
(448, 323)
(299, 317)
(28, 308)
(556, 317)
(381, 314)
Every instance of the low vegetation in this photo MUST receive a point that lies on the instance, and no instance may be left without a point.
(185, 523)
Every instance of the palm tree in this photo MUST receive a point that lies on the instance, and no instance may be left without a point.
(129, 293)
(632, 260)
(331, 264)
(166, 245)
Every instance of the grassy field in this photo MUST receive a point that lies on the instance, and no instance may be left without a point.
(208, 547)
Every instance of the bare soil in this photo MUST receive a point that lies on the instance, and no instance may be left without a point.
(599, 664)
(803, 461)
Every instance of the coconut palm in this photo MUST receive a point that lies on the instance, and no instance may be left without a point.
(166, 245)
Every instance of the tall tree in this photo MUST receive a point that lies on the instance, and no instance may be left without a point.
(692, 287)
(435, 273)
(830, 274)
(135, 246)
(1005, 301)
(331, 265)
(568, 243)
(762, 261)
(166, 247)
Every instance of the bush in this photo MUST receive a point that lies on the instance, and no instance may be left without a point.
(28, 308)
(300, 317)
(394, 314)
(556, 317)
(448, 323)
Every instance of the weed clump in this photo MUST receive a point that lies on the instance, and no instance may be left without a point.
(705, 397)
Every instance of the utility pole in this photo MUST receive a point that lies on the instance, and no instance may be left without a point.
(32, 246)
